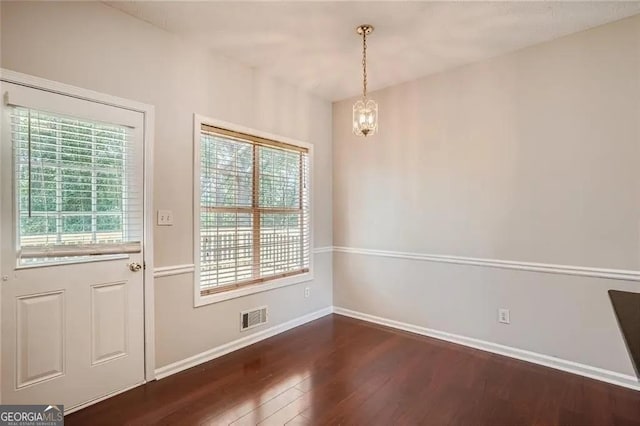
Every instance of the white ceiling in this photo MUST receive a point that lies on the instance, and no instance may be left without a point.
(314, 44)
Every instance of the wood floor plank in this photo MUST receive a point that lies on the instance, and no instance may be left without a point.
(299, 420)
(338, 370)
(268, 408)
(289, 412)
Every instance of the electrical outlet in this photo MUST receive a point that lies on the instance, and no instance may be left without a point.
(165, 218)
(307, 291)
(503, 316)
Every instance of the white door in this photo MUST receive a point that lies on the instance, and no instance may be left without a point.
(71, 192)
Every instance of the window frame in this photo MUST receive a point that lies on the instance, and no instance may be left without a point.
(59, 214)
(268, 283)
(32, 93)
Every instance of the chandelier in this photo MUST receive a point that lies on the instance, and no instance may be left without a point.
(365, 111)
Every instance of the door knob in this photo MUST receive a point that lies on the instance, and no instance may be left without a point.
(135, 267)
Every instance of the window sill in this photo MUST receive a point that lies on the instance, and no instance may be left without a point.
(250, 289)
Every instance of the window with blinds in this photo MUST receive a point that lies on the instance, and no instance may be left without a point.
(254, 210)
(73, 189)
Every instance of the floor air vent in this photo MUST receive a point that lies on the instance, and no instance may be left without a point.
(253, 318)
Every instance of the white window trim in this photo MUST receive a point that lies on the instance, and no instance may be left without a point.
(198, 299)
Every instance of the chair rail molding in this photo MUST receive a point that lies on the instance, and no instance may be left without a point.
(549, 268)
(166, 271)
(327, 249)
(189, 268)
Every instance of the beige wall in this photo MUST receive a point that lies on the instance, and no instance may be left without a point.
(533, 157)
(93, 46)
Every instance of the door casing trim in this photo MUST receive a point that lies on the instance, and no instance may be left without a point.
(148, 112)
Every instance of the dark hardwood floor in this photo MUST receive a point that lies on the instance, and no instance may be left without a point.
(338, 370)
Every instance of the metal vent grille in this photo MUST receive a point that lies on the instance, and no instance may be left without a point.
(253, 318)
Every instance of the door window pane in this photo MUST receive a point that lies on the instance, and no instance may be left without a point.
(71, 181)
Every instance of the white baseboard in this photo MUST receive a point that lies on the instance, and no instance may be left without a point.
(219, 351)
(596, 373)
(612, 377)
(100, 399)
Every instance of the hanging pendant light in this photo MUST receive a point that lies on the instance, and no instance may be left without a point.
(365, 111)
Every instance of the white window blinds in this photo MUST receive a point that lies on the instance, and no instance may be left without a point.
(254, 210)
(74, 187)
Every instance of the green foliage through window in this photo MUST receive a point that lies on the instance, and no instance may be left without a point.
(71, 178)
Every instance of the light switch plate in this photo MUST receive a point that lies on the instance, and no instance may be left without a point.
(165, 218)
(504, 316)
